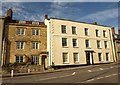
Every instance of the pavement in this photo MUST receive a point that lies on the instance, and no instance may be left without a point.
(52, 71)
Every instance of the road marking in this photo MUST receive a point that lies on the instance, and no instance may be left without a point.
(89, 70)
(99, 77)
(106, 68)
(73, 73)
(90, 80)
(101, 68)
(53, 78)
(111, 67)
(114, 74)
(108, 76)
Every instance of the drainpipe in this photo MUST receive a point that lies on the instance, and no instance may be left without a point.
(2, 57)
(112, 45)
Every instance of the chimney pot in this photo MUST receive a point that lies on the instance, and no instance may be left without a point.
(46, 16)
(113, 30)
(95, 23)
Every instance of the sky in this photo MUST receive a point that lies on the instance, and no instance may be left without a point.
(104, 13)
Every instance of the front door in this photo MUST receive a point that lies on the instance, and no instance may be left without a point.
(43, 61)
(88, 58)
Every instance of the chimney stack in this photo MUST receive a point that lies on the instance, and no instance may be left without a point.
(113, 30)
(119, 31)
(46, 16)
(9, 13)
(95, 23)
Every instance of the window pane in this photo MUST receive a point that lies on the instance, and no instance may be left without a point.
(35, 59)
(74, 42)
(33, 32)
(21, 58)
(18, 31)
(64, 41)
(75, 57)
(63, 28)
(97, 33)
(37, 32)
(87, 43)
(86, 31)
(105, 43)
(99, 56)
(73, 30)
(17, 58)
(98, 44)
(65, 58)
(104, 34)
(35, 45)
(107, 56)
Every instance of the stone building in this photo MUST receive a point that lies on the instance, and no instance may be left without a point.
(26, 42)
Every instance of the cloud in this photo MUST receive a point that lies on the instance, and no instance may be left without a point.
(21, 11)
(102, 16)
(60, 0)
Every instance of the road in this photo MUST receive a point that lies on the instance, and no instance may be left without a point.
(105, 73)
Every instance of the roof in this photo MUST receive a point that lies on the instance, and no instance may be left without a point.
(80, 22)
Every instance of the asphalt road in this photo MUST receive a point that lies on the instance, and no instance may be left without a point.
(105, 73)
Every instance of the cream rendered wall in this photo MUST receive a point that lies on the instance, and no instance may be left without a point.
(56, 41)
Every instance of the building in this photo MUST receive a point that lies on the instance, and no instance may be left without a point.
(77, 43)
(116, 39)
(26, 42)
(3, 21)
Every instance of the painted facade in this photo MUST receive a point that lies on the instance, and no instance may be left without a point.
(69, 38)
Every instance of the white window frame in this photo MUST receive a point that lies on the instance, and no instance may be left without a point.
(67, 58)
(97, 35)
(20, 45)
(66, 42)
(65, 29)
(77, 57)
(19, 31)
(35, 32)
(75, 30)
(108, 57)
(19, 56)
(35, 46)
(87, 31)
(34, 59)
(106, 44)
(88, 43)
(105, 33)
(76, 42)
(99, 43)
(22, 22)
(101, 57)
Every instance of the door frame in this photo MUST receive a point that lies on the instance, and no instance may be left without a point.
(91, 60)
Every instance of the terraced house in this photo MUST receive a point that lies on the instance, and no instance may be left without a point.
(56, 42)
(76, 43)
(26, 42)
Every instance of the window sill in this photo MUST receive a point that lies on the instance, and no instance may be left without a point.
(100, 48)
(87, 35)
(98, 36)
(75, 47)
(106, 48)
(65, 62)
(88, 47)
(74, 34)
(64, 46)
(64, 33)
